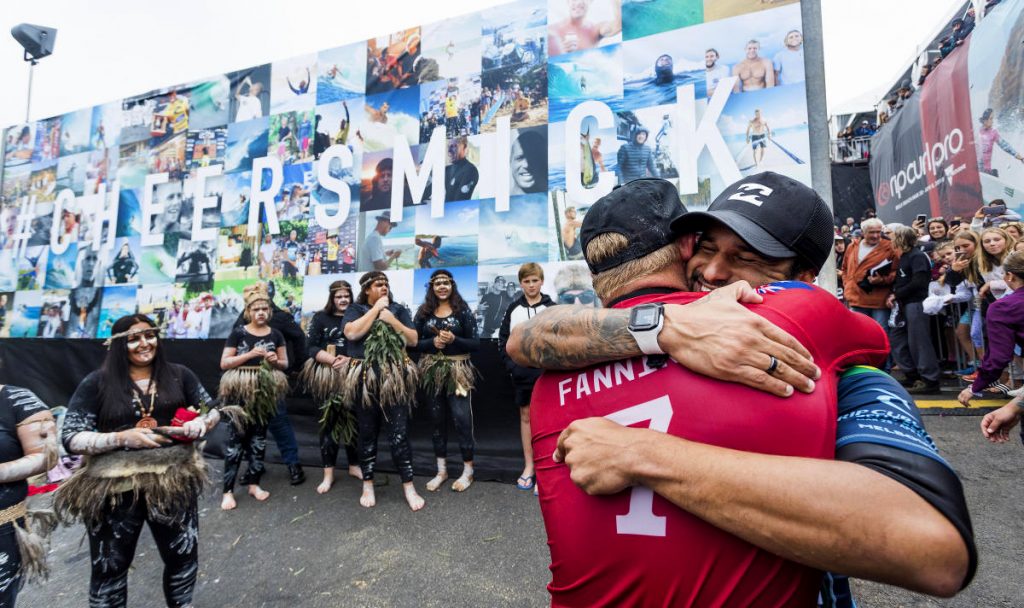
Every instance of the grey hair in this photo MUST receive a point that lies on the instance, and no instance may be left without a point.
(873, 222)
(904, 238)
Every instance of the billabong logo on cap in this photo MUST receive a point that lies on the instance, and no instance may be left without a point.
(751, 198)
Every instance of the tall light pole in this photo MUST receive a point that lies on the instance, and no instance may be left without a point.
(38, 41)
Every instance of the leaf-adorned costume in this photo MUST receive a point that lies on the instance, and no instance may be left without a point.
(117, 493)
(380, 372)
(256, 389)
(381, 379)
(447, 377)
(327, 385)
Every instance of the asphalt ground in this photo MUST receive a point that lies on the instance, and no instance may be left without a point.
(482, 548)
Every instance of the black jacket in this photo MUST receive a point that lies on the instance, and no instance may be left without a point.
(518, 312)
(912, 277)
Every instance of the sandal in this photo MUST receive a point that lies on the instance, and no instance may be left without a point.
(997, 388)
(526, 482)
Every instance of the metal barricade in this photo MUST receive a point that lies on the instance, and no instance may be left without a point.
(850, 150)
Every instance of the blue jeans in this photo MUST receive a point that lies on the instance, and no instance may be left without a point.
(281, 428)
(881, 316)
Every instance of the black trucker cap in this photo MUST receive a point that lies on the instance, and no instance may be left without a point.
(776, 215)
(619, 211)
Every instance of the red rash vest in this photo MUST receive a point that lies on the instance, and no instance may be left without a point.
(636, 548)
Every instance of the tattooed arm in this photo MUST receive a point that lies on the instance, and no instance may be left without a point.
(715, 336)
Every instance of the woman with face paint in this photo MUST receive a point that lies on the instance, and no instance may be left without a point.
(323, 376)
(381, 380)
(136, 420)
(254, 360)
(447, 331)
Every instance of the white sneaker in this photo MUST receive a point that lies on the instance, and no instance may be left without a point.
(1015, 392)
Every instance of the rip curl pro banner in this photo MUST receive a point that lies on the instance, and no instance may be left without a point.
(897, 165)
(957, 142)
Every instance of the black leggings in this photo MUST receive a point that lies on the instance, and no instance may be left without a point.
(10, 581)
(370, 419)
(462, 414)
(251, 443)
(112, 546)
(329, 447)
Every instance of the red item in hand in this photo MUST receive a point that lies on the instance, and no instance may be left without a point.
(43, 489)
(181, 416)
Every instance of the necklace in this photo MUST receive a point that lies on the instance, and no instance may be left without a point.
(146, 419)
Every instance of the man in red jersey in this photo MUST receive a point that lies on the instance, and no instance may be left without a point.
(607, 551)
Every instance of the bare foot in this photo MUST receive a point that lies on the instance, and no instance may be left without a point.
(258, 493)
(415, 501)
(228, 502)
(328, 481)
(355, 471)
(368, 499)
(462, 483)
(435, 484)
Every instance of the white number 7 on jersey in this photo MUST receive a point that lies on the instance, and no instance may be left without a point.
(640, 519)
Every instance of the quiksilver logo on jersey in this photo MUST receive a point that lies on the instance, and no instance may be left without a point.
(750, 193)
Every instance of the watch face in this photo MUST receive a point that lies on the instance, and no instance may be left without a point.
(644, 318)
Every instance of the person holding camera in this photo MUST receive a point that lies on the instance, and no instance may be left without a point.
(868, 272)
(992, 215)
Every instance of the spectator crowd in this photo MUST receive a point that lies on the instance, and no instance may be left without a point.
(960, 29)
(945, 289)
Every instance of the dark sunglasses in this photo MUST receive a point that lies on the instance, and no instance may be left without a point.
(570, 296)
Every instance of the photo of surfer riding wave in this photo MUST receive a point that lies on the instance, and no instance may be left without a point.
(594, 74)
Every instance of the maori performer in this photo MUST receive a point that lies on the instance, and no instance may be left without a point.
(323, 376)
(381, 380)
(447, 332)
(135, 419)
(254, 360)
(28, 447)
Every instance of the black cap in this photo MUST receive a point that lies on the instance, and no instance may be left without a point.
(642, 211)
(777, 216)
(386, 217)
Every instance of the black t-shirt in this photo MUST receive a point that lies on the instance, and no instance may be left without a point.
(16, 405)
(462, 324)
(294, 339)
(243, 341)
(324, 330)
(84, 407)
(355, 310)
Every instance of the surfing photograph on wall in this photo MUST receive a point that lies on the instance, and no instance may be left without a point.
(324, 165)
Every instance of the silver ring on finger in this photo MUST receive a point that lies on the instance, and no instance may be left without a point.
(773, 365)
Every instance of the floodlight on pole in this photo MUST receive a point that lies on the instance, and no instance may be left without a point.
(38, 41)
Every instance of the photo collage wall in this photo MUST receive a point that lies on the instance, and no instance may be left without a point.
(532, 61)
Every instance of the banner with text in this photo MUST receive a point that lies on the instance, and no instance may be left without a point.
(957, 143)
(474, 144)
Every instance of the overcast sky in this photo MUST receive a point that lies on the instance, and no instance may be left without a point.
(109, 49)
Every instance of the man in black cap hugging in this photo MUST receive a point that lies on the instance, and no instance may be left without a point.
(739, 464)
